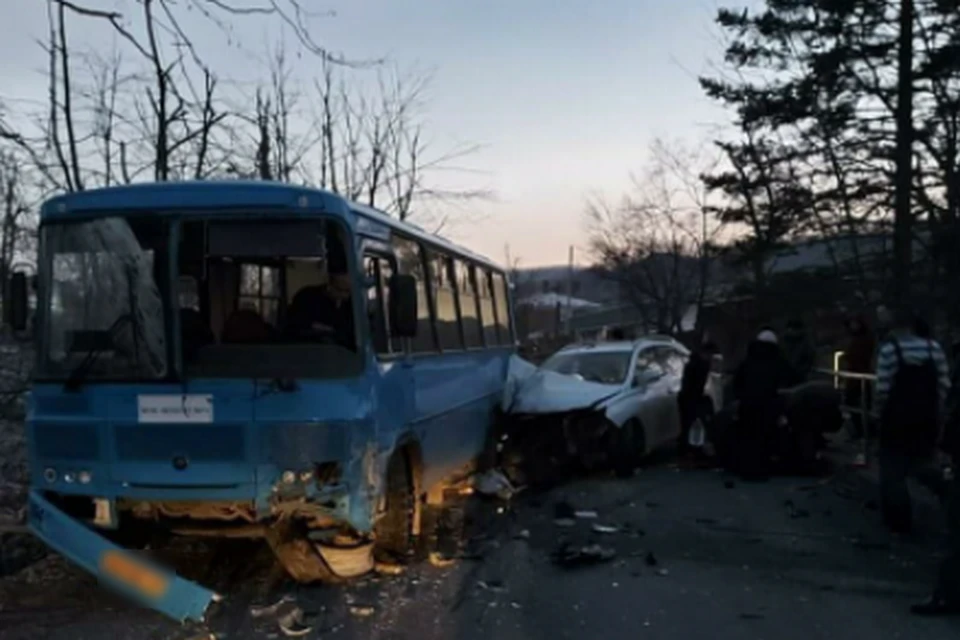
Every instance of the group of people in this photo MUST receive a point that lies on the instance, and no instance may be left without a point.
(917, 410)
(772, 364)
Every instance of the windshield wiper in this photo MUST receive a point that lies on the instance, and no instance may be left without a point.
(79, 373)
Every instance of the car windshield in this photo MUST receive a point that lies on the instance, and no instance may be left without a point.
(607, 367)
(102, 299)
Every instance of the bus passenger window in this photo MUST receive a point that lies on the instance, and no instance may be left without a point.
(444, 295)
(502, 300)
(378, 271)
(487, 317)
(469, 314)
(410, 262)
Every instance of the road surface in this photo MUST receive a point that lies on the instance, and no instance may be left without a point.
(696, 555)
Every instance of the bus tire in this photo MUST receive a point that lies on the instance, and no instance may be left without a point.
(298, 556)
(393, 532)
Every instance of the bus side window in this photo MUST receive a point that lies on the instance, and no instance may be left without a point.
(410, 261)
(443, 285)
(487, 317)
(469, 311)
(378, 271)
(502, 301)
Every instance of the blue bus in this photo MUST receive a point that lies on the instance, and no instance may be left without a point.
(251, 359)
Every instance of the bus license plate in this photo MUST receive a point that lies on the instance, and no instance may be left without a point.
(123, 568)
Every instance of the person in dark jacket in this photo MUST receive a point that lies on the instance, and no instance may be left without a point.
(690, 398)
(756, 388)
(797, 350)
(945, 599)
(859, 359)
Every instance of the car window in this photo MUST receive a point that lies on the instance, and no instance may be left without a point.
(650, 365)
(673, 361)
(608, 367)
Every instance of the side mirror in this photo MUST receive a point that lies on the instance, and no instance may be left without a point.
(18, 306)
(403, 306)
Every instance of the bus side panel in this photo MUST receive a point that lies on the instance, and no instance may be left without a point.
(454, 398)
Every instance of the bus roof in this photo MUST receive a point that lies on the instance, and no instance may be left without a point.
(206, 197)
(417, 232)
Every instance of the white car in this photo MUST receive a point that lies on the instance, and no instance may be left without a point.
(616, 397)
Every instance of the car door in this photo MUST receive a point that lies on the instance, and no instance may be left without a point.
(650, 381)
(673, 361)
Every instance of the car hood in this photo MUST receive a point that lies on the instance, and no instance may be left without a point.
(551, 392)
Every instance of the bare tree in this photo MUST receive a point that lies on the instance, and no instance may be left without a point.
(658, 244)
(18, 222)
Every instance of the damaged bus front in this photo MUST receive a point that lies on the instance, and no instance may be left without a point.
(234, 359)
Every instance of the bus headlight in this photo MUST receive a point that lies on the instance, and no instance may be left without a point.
(84, 477)
(68, 477)
(50, 475)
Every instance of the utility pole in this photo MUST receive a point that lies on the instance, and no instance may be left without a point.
(902, 214)
(569, 289)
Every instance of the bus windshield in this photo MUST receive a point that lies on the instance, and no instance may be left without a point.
(103, 302)
(254, 297)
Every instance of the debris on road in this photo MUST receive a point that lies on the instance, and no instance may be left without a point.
(494, 483)
(288, 616)
(389, 568)
(602, 528)
(569, 556)
(294, 629)
(496, 586)
(585, 514)
(270, 610)
(362, 610)
(524, 534)
(662, 572)
(441, 561)
(651, 559)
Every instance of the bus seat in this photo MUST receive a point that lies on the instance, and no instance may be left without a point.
(246, 326)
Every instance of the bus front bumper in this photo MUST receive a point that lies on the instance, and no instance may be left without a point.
(132, 575)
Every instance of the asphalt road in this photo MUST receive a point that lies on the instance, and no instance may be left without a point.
(696, 555)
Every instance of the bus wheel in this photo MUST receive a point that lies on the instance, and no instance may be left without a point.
(393, 533)
(298, 556)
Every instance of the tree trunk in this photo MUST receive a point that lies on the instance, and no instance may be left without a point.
(903, 216)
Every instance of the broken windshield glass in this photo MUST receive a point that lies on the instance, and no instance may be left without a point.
(103, 298)
(608, 367)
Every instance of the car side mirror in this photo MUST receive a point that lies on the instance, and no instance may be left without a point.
(18, 307)
(403, 306)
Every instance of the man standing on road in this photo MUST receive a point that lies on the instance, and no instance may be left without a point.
(913, 380)
(945, 599)
(690, 400)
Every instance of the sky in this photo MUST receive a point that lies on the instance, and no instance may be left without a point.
(562, 97)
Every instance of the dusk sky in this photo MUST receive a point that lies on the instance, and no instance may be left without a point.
(563, 95)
